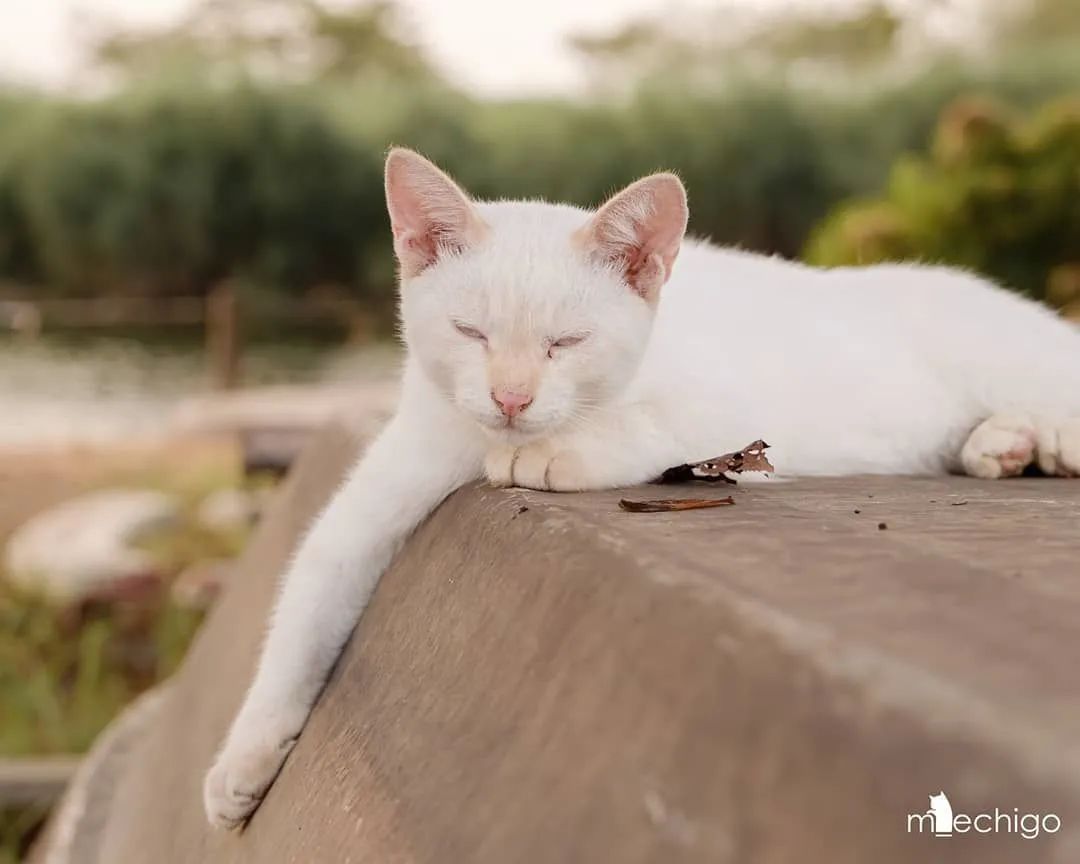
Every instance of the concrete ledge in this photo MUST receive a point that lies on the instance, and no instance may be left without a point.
(544, 678)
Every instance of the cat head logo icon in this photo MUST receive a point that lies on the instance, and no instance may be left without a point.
(941, 810)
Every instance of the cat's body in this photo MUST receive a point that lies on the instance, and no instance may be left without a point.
(882, 370)
(543, 352)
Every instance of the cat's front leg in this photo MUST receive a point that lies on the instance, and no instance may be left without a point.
(424, 453)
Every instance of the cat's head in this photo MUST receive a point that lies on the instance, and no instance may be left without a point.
(525, 314)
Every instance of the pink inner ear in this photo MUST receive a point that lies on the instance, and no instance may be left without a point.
(429, 214)
(640, 230)
(418, 246)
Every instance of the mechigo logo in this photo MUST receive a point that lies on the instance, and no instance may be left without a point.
(943, 822)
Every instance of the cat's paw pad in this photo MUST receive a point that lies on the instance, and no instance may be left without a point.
(1002, 446)
(548, 468)
(1059, 448)
(241, 774)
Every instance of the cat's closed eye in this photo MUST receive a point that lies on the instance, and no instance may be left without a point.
(470, 332)
(567, 341)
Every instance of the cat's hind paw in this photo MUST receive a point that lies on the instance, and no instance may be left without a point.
(240, 776)
(1002, 446)
(1059, 448)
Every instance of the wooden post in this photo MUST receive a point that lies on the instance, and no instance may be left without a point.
(223, 335)
(22, 317)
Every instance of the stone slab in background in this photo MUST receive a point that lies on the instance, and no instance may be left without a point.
(84, 546)
(544, 678)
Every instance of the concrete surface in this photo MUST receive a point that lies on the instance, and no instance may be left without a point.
(544, 678)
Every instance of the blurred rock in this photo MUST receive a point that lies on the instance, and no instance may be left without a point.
(229, 510)
(198, 585)
(272, 451)
(83, 548)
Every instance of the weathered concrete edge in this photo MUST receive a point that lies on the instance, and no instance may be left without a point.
(73, 829)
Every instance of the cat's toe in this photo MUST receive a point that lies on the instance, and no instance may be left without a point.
(499, 466)
(1002, 446)
(530, 466)
(549, 469)
(1059, 448)
(1069, 447)
(566, 472)
(240, 777)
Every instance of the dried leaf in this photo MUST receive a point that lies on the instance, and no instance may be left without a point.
(751, 458)
(668, 505)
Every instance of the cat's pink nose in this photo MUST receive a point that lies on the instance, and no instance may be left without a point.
(511, 402)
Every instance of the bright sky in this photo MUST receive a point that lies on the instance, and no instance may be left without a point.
(494, 46)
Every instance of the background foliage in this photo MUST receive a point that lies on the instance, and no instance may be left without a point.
(221, 149)
(996, 193)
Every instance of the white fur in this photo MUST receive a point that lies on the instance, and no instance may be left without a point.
(890, 370)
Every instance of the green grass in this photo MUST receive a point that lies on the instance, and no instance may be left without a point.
(64, 673)
(17, 830)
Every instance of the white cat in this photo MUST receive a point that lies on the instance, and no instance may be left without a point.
(545, 350)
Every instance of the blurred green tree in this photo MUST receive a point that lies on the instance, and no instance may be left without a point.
(224, 41)
(265, 165)
(842, 45)
(171, 195)
(1027, 23)
(711, 47)
(996, 194)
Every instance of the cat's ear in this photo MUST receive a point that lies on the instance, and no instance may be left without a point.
(429, 213)
(639, 231)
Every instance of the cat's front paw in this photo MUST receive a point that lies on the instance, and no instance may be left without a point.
(549, 468)
(241, 774)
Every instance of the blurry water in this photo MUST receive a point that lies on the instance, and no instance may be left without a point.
(54, 393)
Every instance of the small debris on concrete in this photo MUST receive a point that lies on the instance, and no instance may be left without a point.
(668, 505)
(881, 526)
